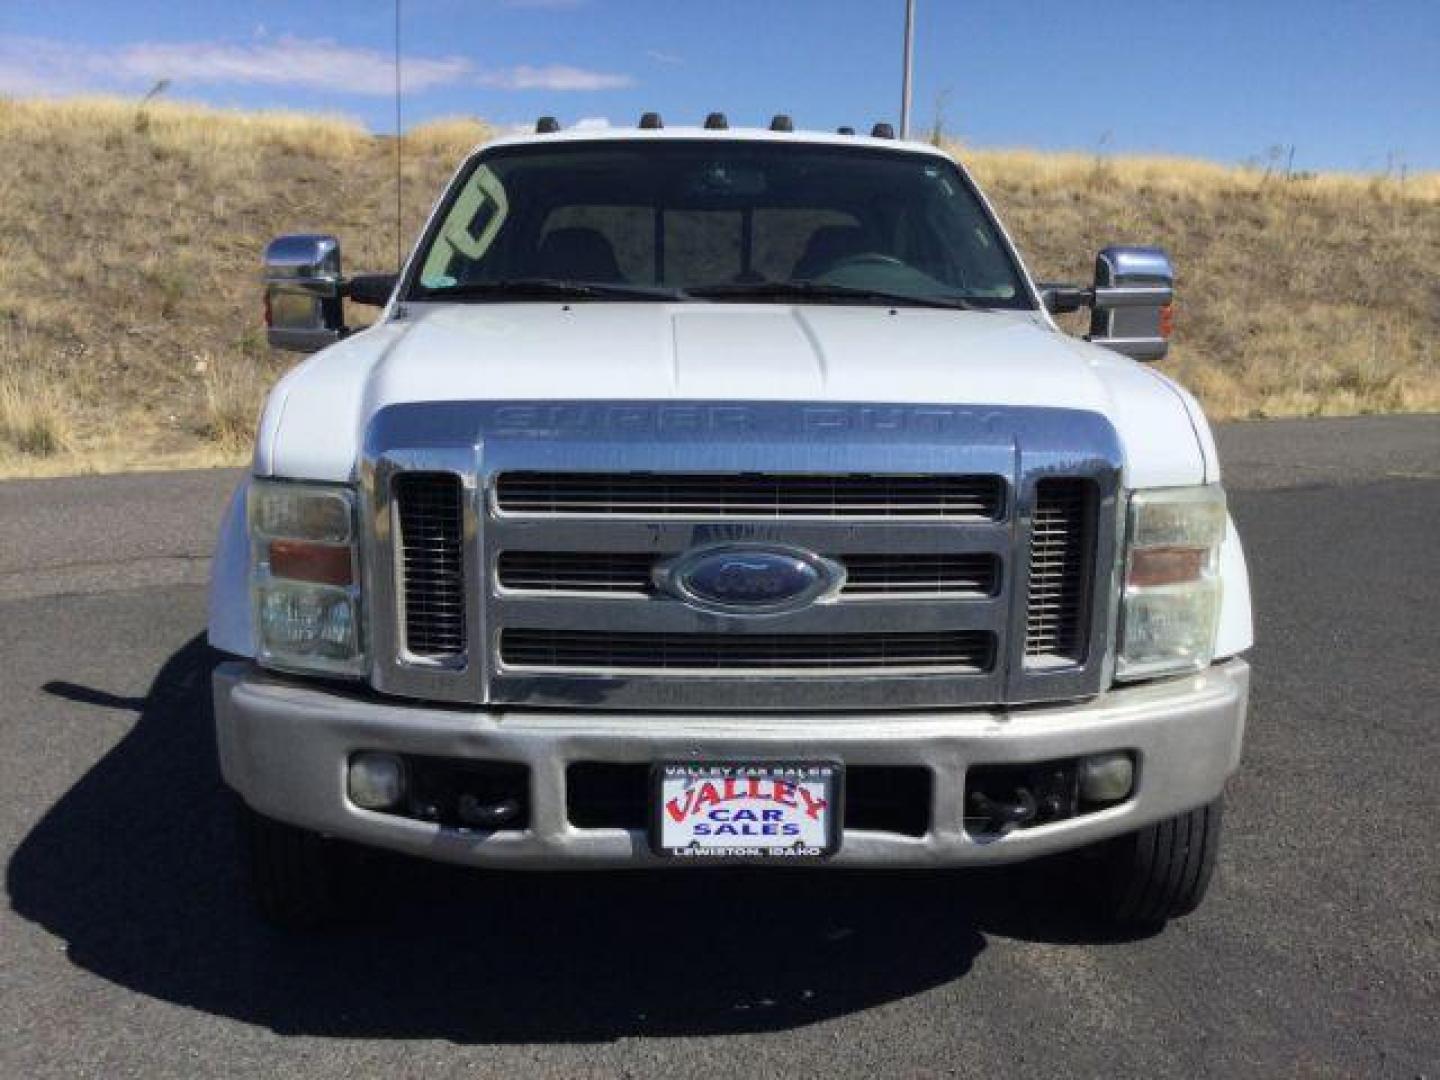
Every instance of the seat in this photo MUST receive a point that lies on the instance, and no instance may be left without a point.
(827, 246)
(577, 254)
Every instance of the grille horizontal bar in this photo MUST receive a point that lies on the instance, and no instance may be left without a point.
(575, 571)
(750, 495)
(431, 530)
(969, 574)
(1061, 547)
(952, 651)
(917, 575)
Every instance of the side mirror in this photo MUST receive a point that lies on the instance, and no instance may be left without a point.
(1129, 302)
(1130, 311)
(304, 307)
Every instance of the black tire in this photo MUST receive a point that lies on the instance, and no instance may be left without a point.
(293, 874)
(1160, 872)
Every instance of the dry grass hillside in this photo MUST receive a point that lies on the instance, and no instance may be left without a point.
(129, 240)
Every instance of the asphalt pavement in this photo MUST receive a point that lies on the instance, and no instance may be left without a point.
(127, 947)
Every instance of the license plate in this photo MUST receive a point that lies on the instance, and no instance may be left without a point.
(747, 812)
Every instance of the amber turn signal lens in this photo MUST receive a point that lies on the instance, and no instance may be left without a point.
(302, 560)
(1150, 567)
(1167, 320)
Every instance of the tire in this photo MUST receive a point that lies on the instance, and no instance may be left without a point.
(1160, 872)
(293, 874)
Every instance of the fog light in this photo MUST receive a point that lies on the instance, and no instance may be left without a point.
(377, 781)
(1106, 778)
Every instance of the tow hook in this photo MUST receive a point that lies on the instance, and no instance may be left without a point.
(486, 815)
(1002, 815)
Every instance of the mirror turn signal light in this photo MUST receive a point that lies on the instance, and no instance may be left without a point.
(1167, 320)
(305, 560)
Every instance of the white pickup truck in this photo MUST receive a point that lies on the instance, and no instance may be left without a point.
(709, 497)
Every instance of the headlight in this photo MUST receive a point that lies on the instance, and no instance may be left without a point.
(306, 574)
(1171, 599)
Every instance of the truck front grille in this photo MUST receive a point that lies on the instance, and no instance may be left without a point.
(751, 495)
(1061, 553)
(595, 651)
(514, 547)
(865, 574)
(430, 527)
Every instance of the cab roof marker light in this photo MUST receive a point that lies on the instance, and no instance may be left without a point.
(651, 121)
(547, 125)
(882, 130)
(781, 122)
(717, 121)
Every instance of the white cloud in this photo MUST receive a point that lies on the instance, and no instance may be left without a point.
(44, 66)
(664, 57)
(315, 65)
(553, 77)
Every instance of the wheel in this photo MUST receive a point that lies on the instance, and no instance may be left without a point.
(1160, 872)
(293, 874)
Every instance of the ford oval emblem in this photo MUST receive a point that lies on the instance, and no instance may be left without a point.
(750, 578)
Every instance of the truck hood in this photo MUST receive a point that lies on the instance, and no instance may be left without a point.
(314, 423)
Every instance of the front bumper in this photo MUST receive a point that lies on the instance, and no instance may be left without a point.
(284, 747)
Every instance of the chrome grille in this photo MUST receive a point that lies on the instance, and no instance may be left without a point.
(866, 574)
(575, 571)
(921, 575)
(534, 591)
(430, 529)
(1061, 551)
(751, 495)
(590, 651)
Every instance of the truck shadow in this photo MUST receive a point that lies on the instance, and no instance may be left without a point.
(135, 870)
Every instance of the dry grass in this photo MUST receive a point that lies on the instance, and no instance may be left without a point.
(130, 239)
(1305, 296)
(234, 389)
(33, 419)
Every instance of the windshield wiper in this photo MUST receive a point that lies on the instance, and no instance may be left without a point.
(540, 288)
(821, 292)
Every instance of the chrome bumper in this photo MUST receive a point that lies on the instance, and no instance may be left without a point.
(284, 747)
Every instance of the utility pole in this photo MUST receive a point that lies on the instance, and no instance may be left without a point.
(909, 68)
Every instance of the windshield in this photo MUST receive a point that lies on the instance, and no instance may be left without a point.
(751, 221)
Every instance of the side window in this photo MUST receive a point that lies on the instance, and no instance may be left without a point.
(628, 230)
(469, 230)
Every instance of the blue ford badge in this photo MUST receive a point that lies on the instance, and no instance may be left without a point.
(750, 578)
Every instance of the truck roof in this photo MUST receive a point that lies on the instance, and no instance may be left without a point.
(734, 134)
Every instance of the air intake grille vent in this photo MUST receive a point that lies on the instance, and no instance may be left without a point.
(580, 650)
(968, 575)
(921, 575)
(430, 536)
(576, 571)
(1061, 548)
(763, 495)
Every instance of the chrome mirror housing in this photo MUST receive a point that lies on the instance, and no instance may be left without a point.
(304, 306)
(1131, 301)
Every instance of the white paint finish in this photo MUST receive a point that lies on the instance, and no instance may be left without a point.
(231, 625)
(316, 415)
(726, 135)
(724, 352)
(1236, 631)
(655, 351)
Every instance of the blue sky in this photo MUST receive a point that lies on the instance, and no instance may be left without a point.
(1350, 85)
